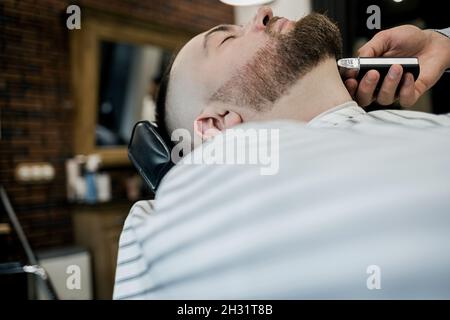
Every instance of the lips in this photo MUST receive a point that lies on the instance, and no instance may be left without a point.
(281, 25)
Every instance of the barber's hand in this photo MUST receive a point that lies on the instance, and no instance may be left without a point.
(430, 47)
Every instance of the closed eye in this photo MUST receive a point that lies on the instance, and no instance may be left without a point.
(226, 39)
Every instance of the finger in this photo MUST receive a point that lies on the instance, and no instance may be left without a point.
(352, 86)
(427, 78)
(377, 46)
(386, 96)
(407, 92)
(366, 88)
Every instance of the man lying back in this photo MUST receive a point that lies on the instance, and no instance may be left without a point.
(270, 69)
(358, 212)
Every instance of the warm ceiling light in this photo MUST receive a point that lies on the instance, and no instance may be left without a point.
(246, 2)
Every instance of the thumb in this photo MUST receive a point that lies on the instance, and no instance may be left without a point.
(376, 47)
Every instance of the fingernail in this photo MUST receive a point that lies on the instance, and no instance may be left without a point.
(409, 80)
(394, 73)
(370, 78)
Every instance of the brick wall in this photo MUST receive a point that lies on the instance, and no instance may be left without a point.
(35, 97)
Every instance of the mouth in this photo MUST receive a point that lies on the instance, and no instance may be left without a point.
(281, 25)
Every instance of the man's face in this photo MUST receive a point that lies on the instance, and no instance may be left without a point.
(248, 66)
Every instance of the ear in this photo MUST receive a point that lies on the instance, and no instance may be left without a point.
(212, 121)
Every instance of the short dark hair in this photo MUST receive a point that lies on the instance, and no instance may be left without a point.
(161, 105)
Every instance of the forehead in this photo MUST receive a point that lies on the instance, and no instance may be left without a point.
(186, 89)
(195, 52)
(196, 71)
(191, 53)
(189, 65)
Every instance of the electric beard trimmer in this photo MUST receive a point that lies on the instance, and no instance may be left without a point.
(358, 67)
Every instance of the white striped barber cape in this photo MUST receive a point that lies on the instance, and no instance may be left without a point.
(368, 199)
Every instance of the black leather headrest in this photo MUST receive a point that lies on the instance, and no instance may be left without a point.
(149, 154)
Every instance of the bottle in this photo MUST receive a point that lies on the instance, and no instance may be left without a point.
(103, 183)
(92, 164)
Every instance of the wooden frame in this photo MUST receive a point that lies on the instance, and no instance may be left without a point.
(85, 56)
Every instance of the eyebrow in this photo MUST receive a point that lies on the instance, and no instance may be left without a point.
(222, 27)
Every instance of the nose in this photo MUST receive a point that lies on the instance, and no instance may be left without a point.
(262, 18)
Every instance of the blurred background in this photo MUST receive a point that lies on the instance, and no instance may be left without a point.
(69, 99)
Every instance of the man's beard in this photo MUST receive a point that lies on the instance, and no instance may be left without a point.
(281, 63)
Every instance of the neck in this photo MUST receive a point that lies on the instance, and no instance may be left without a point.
(318, 91)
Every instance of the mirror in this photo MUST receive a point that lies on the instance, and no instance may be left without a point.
(116, 66)
(129, 79)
